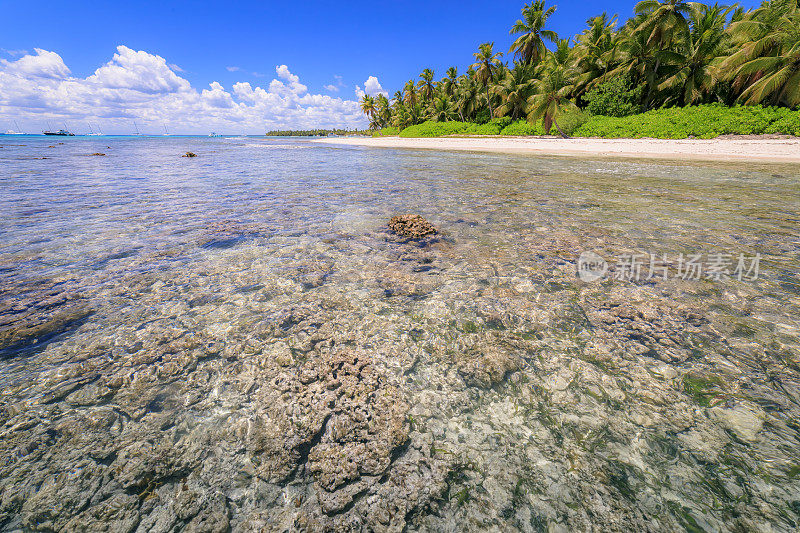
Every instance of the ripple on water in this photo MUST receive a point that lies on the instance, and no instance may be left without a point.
(242, 343)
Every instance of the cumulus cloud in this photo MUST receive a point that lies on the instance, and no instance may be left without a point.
(372, 87)
(290, 85)
(138, 85)
(42, 65)
(331, 88)
(138, 71)
(283, 72)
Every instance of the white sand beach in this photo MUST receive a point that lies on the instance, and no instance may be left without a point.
(753, 149)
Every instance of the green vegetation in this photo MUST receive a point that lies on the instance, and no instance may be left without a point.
(675, 69)
(702, 389)
(704, 122)
(523, 127)
(613, 98)
(431, 128)
(315, 133)
(387, 131)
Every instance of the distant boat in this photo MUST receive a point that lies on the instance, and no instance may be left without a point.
(92, 132)
(63, 133)
(14, 132)
(212, 134)
(137, 128)
(166, 133)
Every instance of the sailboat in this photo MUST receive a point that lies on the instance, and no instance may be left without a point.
(166, 133)
(92, 132)
(137, 128)
(14, 132)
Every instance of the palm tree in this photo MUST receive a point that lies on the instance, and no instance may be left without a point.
(529, 46)
(665, 20)
(594, 52)
(448, 83)
(551, 96)
(637, 58)
(694, 75)
(368, 106)
(767, 61)
(666, 26)
(467, 96)
(383, 112)
(442, 108)
(671, 52)
(514, 89)
(562, 55)
(426, 85)
(410, 98)
(486, 63)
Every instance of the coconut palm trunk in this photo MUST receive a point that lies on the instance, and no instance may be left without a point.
(560, 131)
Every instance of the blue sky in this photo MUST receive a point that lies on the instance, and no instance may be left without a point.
(333, 44)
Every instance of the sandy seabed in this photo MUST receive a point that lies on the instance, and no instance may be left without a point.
(780, 150)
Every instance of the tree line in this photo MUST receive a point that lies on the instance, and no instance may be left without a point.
(669, 53)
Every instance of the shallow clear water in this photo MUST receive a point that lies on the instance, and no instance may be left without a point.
(236, 340)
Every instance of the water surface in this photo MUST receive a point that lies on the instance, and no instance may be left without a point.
(236, 341)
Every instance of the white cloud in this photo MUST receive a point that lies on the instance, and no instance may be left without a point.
(283, 72)
(14, 53)
(291, 85)
(138, 71)
(175, 67)
(43, 65)
(143, 86)
(335, 88)
(373, 87)
(233, 69)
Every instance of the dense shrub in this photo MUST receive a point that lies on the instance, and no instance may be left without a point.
(705, 122)
(523, 127)
(387, 131)
(482, 116)
(570, 121)
(431, 128)
(493, 127)
(613, 98)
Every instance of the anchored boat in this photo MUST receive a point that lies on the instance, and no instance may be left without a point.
(63, 133)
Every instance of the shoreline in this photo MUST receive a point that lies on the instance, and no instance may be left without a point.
(784, 150)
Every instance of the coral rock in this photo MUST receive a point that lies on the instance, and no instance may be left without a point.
(411, 226)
